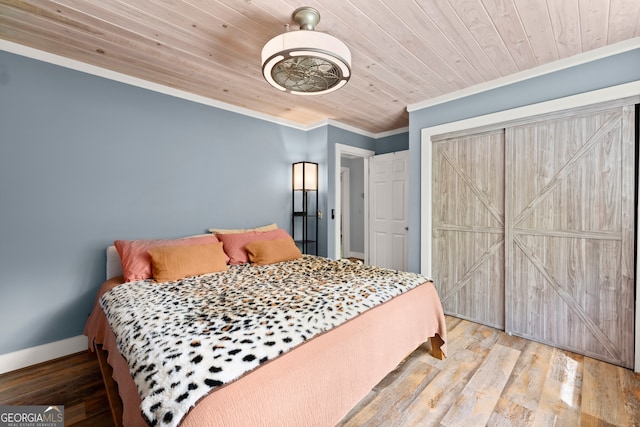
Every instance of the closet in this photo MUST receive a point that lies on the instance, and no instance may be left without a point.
(534, 228)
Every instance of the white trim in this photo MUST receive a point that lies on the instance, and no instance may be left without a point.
(359, 255)
(583, 99)
(541, 70)
(349, 128)
(392, 132)
(72, 64)
(636, 365)
(356, 130)
(341, 149)
(42, 353)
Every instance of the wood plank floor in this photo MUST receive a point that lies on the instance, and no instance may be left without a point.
(489, 378)
(73, 381)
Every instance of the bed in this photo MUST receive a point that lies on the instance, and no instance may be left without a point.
(332, 362)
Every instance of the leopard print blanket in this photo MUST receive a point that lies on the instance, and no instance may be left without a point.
(185, 338)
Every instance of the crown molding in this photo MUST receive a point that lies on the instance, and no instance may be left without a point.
(353, 129)
(392, 132)
(73, 64)
(561, 64)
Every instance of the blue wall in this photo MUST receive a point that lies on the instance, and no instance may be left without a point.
(606, 72)
(85, 160)
(392, 143)
(317, 152)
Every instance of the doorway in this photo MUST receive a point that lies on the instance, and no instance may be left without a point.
(355, 216)
(352, 202)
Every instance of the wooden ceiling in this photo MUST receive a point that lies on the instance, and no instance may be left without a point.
(404, 51)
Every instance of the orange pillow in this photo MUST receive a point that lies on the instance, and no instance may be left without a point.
(234, 243)
(263, 252)
(176, 262)
(135, 259)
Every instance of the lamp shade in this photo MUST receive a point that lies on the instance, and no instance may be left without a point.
(305, 176)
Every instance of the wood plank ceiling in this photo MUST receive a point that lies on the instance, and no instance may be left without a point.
(404, 51)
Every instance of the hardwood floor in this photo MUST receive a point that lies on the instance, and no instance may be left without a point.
(491, 378)
(73, 381)
(488, 378)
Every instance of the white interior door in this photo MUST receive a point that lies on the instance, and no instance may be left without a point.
(388, 209)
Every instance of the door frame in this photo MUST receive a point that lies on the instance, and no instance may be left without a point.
(340, 150)
(588, 98)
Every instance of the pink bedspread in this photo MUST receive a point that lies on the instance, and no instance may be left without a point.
(315, 384)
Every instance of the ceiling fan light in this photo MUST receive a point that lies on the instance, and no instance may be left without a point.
(333, 89)
(346, 71)
(306, 61)
(270, 65)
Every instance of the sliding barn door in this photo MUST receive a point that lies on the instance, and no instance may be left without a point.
(468, 226)
(569, 233)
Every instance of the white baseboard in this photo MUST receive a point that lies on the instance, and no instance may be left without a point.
(355, 255)
(42, 353)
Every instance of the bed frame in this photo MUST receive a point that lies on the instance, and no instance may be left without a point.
(115, 403)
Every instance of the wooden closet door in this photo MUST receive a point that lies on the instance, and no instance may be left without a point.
(468, 226)
(569, 233)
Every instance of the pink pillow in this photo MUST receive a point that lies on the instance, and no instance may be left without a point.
(135, 258)
(234, 244)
